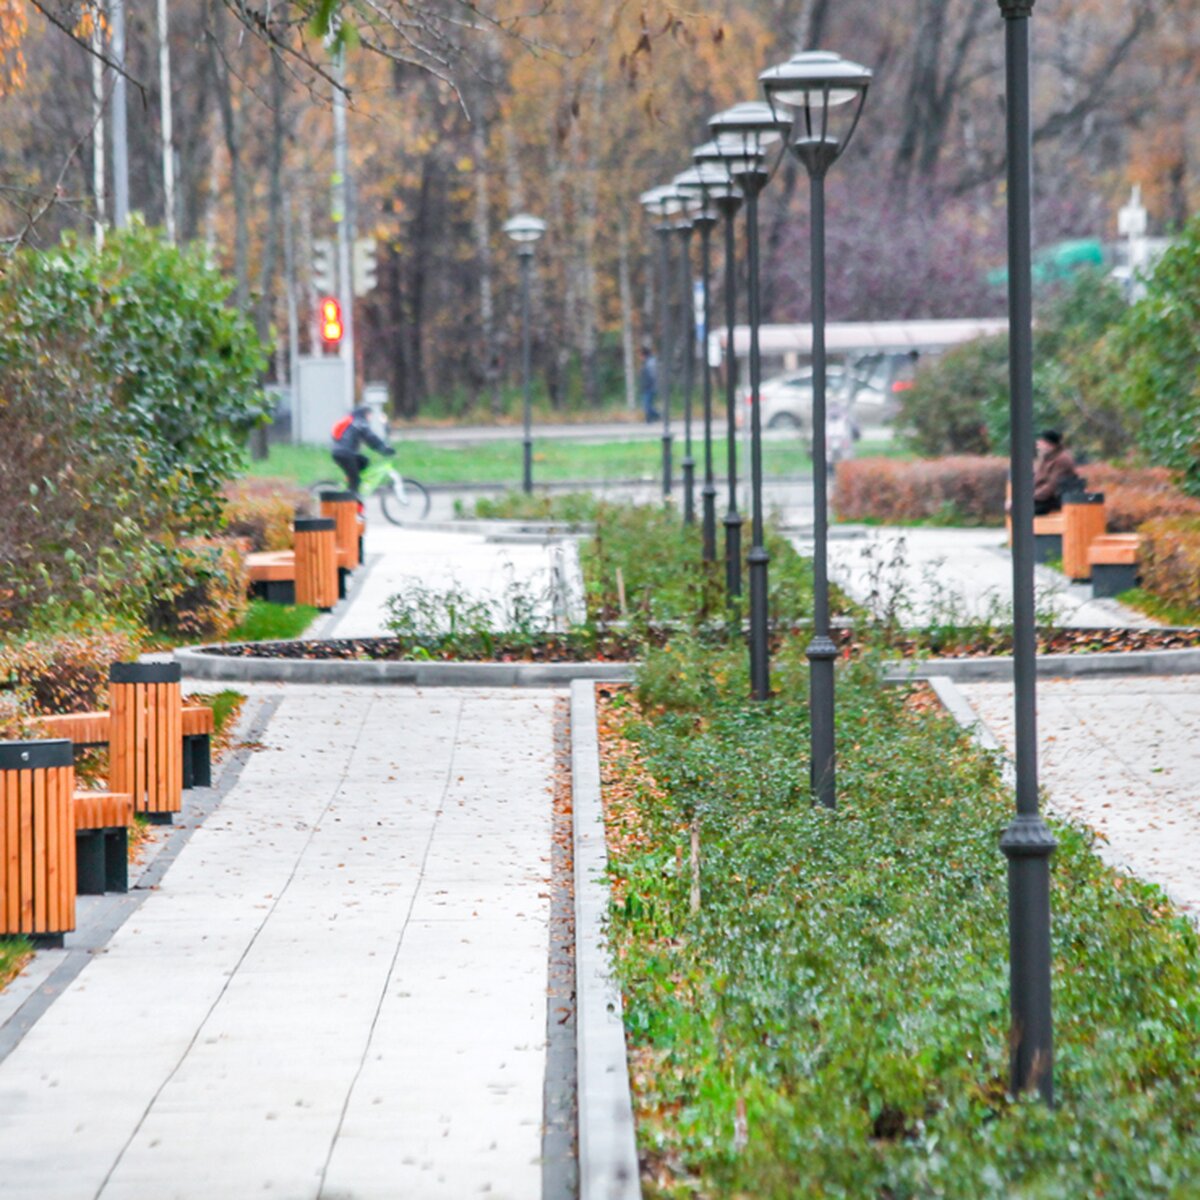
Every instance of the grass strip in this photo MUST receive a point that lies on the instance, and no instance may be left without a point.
(817, 1002)
(15, 952)
(266, 622)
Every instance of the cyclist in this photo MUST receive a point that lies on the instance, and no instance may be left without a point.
(348, 435)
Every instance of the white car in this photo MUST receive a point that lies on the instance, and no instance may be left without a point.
(787, 400)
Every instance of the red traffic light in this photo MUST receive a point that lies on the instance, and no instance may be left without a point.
(331, 321)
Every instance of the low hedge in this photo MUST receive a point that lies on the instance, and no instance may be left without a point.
(262, 512)
(1135, 495)
(207, 593)
(62, 673)
(831, 1019)
(1170, 560)
(965, 489)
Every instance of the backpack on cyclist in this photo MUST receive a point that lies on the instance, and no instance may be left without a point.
(341, 426)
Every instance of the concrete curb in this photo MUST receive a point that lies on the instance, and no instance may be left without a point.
(199, 665)
(1059, 666)
(503, 529)
(608, 1163)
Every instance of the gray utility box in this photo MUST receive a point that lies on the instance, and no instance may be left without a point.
(320, 399)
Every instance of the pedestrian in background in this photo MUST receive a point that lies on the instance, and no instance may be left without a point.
(648, 384)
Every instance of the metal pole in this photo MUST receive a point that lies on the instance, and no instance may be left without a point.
(168, 151)
(689, 372)
(1027, 843)
(708, 493)
(343, 219)
(120, 132)
(733, 519)
(758, 558)
(821, 651)
(526, 253)
(664, 361)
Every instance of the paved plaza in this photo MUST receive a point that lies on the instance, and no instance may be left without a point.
(338, 987)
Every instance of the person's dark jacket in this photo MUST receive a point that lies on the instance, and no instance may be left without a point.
(1051, 474)
(358, 432)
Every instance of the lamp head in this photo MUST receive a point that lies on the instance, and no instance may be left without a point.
(524, 229)
(746, 130)
(812, 84)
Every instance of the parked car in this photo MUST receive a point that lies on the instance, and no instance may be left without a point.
(787, 399)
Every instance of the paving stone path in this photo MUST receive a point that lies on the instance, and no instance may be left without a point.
(339, 989)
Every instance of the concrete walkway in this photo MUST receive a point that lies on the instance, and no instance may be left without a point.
(339, 986)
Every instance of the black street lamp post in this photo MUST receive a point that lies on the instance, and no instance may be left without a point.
(813, 83)
(525, 230)
(747, 129)
(1027, 843)
(728, 202)
(664, 203)
(683, 227)
(710, 183)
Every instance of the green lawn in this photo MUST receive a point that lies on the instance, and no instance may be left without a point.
(266, 622)
(553, 461)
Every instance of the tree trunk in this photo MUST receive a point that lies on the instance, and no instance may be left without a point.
(628, 357)
(231, 125)
(481, 227)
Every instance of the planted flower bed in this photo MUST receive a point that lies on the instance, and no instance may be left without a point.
(817, 1002)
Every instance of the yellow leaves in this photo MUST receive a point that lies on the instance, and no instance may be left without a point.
(14, 21)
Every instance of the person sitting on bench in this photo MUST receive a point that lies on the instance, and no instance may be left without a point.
(1054, 473)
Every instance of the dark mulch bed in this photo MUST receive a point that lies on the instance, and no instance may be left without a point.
(621, 647)
(552, 648)
(997, 643)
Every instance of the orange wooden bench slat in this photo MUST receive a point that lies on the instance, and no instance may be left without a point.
(1116, 549)
(101, 810)
(82, 728)
(1049, 524)
(271, 567)
(197, 719)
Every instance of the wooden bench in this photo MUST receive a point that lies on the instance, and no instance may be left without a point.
(1048, 537)
(313, 573)
(1113, 561)
(102, 821)
(90, 730)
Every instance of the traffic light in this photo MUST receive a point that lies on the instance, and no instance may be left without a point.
(324, 266)
(364, 266)
(331, 323)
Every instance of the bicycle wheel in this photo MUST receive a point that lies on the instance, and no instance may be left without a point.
(405, 501)
(325, 485)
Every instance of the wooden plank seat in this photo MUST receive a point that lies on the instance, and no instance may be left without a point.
(273, 576)
(1113, 559)
(1048, 537)
(89, 730)
(102, 822)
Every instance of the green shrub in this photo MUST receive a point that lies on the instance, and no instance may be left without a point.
(575, 508)
(65, 672)
(959, 402)
(203, 591)
(833, 1018)
(176, 368)
(1156, 357)
(959, 490)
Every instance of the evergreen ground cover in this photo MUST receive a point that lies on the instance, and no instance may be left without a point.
(817, 1002)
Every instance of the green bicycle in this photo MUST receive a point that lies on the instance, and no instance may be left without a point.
(401, 498)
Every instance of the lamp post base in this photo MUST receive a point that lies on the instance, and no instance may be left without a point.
(527, 474)
(1028, 845)
(821, 653)
(708, 504)
(666, 462)
(733, 553)
(689, 490)
(760, 654)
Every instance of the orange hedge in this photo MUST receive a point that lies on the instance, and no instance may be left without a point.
(63, 673)
(1170, 560)
(1135, 495)
(964, 489)
(262, 511)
